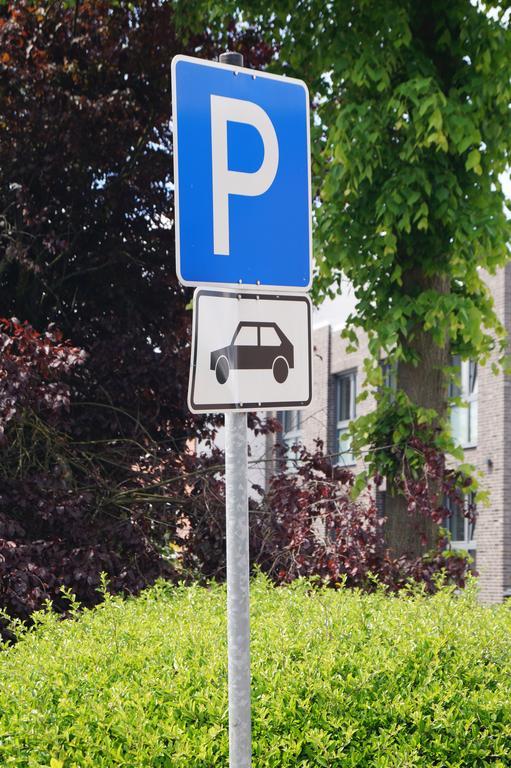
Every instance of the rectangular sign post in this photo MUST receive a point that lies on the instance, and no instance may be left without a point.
(242, 197)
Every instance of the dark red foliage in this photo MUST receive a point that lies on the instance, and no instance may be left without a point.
(309, 525)
(49, 535)
(32, 367)
(87, 246)
(432, 569)
(433, 489)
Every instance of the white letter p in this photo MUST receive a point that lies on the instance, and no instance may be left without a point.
(226, 182)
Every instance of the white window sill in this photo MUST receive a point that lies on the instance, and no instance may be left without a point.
(462, 545)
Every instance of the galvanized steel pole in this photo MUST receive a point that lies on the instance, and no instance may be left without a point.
(230, 57)
(238, 597)
(238, 593)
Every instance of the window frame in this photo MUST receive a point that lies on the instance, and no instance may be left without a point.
(288, 438)
(388, 386)
(467, 543)
(467, 390)
(342, 425)
(389, 374)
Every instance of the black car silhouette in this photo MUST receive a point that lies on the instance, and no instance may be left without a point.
(255, 346)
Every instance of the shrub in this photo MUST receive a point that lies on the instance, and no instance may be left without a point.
(340, 678)
(50, 532)
(309, 524)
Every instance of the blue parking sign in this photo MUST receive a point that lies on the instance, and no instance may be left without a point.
(241, 177)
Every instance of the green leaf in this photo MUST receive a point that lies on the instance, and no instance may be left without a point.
(473, 161)
(436, 120)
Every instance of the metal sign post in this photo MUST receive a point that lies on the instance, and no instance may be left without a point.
(238, 596)
(238, 585)
(243, 223)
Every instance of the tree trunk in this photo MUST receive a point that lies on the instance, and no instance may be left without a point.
(426, 386)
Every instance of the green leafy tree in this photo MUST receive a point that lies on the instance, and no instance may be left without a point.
(411, 133)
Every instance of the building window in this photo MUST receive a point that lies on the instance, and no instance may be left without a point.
(344, 413)
(464, 417)
(461, 527)
(388, 382)
(290, 438)
(389, 375)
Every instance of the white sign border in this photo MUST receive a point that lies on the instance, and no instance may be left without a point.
(259, 405)
(254, 73)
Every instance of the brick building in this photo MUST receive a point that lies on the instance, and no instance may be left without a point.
(482, 428)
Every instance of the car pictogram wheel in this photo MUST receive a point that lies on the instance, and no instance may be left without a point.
(222, 369)
(280, 369)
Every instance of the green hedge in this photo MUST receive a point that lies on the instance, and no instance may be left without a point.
(339, 679)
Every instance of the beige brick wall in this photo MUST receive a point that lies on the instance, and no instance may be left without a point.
(315, 418)
(492, 458)
(343, 362)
